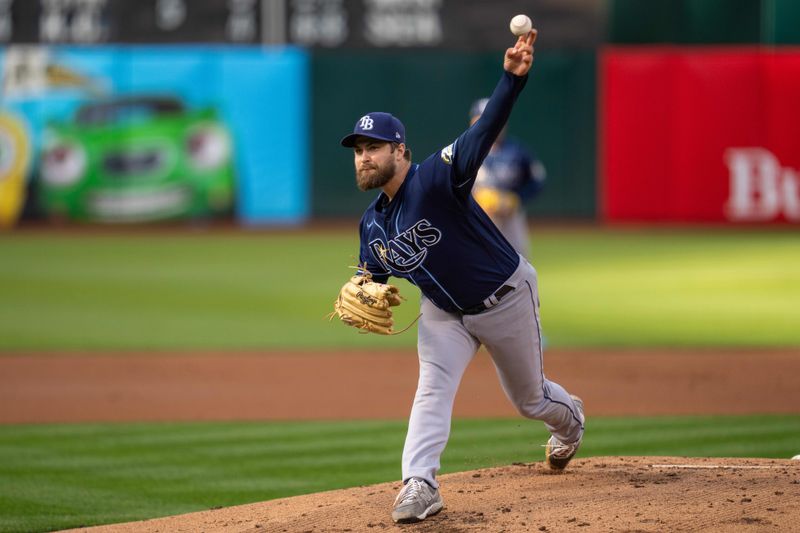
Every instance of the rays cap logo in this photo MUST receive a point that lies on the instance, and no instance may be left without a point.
(381, 126)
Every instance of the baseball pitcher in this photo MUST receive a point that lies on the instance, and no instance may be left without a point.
(425, 226)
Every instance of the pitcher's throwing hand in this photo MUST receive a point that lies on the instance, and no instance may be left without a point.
(519, 59)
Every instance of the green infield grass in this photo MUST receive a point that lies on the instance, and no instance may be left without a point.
(61, 476)
(271, 290)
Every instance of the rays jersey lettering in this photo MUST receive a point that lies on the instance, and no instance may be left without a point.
(407, 251)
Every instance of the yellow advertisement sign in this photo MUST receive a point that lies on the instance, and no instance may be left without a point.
(15, 155)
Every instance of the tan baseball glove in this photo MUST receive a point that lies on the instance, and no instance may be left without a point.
(365, 304)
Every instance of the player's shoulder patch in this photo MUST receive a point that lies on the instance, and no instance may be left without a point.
(447, 154)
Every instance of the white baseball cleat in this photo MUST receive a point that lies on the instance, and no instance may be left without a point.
(559, 454)
(416, 501)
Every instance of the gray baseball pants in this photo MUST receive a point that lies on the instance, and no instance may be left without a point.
(447, 342)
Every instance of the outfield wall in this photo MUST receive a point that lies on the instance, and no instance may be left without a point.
(695, 22)
(131, 134)
(700, 134)
(699, 113)
(431, 93)
(665, 131)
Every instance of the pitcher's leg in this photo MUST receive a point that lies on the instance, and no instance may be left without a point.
(512, 334)
(445, 350)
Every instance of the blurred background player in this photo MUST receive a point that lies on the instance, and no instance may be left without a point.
(510, 176)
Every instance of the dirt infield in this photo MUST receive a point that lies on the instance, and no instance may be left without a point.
(628, 494)
(302, 385)
(597, 494)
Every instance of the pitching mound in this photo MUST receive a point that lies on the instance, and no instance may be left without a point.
(621, 494)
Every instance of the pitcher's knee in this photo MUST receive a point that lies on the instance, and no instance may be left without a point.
(532, 407)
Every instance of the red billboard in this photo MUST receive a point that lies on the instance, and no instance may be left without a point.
(700, 134)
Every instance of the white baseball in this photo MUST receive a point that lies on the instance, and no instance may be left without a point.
(796, 457)
(520, 25)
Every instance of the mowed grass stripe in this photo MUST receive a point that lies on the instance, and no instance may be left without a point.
(672, 289)
(599, 287)
(59, 476)
(718, 440)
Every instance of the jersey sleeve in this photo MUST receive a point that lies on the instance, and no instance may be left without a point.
(472, 146)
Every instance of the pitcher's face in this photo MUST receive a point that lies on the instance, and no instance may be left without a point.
(375, 163)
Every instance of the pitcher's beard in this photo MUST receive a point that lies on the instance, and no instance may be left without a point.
(375, 178)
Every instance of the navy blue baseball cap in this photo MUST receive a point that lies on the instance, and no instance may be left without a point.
(377, 125)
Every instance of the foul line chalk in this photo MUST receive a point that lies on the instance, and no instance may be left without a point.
(721, 467)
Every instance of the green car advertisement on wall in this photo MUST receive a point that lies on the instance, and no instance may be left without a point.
(137, 158)
(129, 134)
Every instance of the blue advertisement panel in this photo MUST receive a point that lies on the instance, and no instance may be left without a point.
(135, 134)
